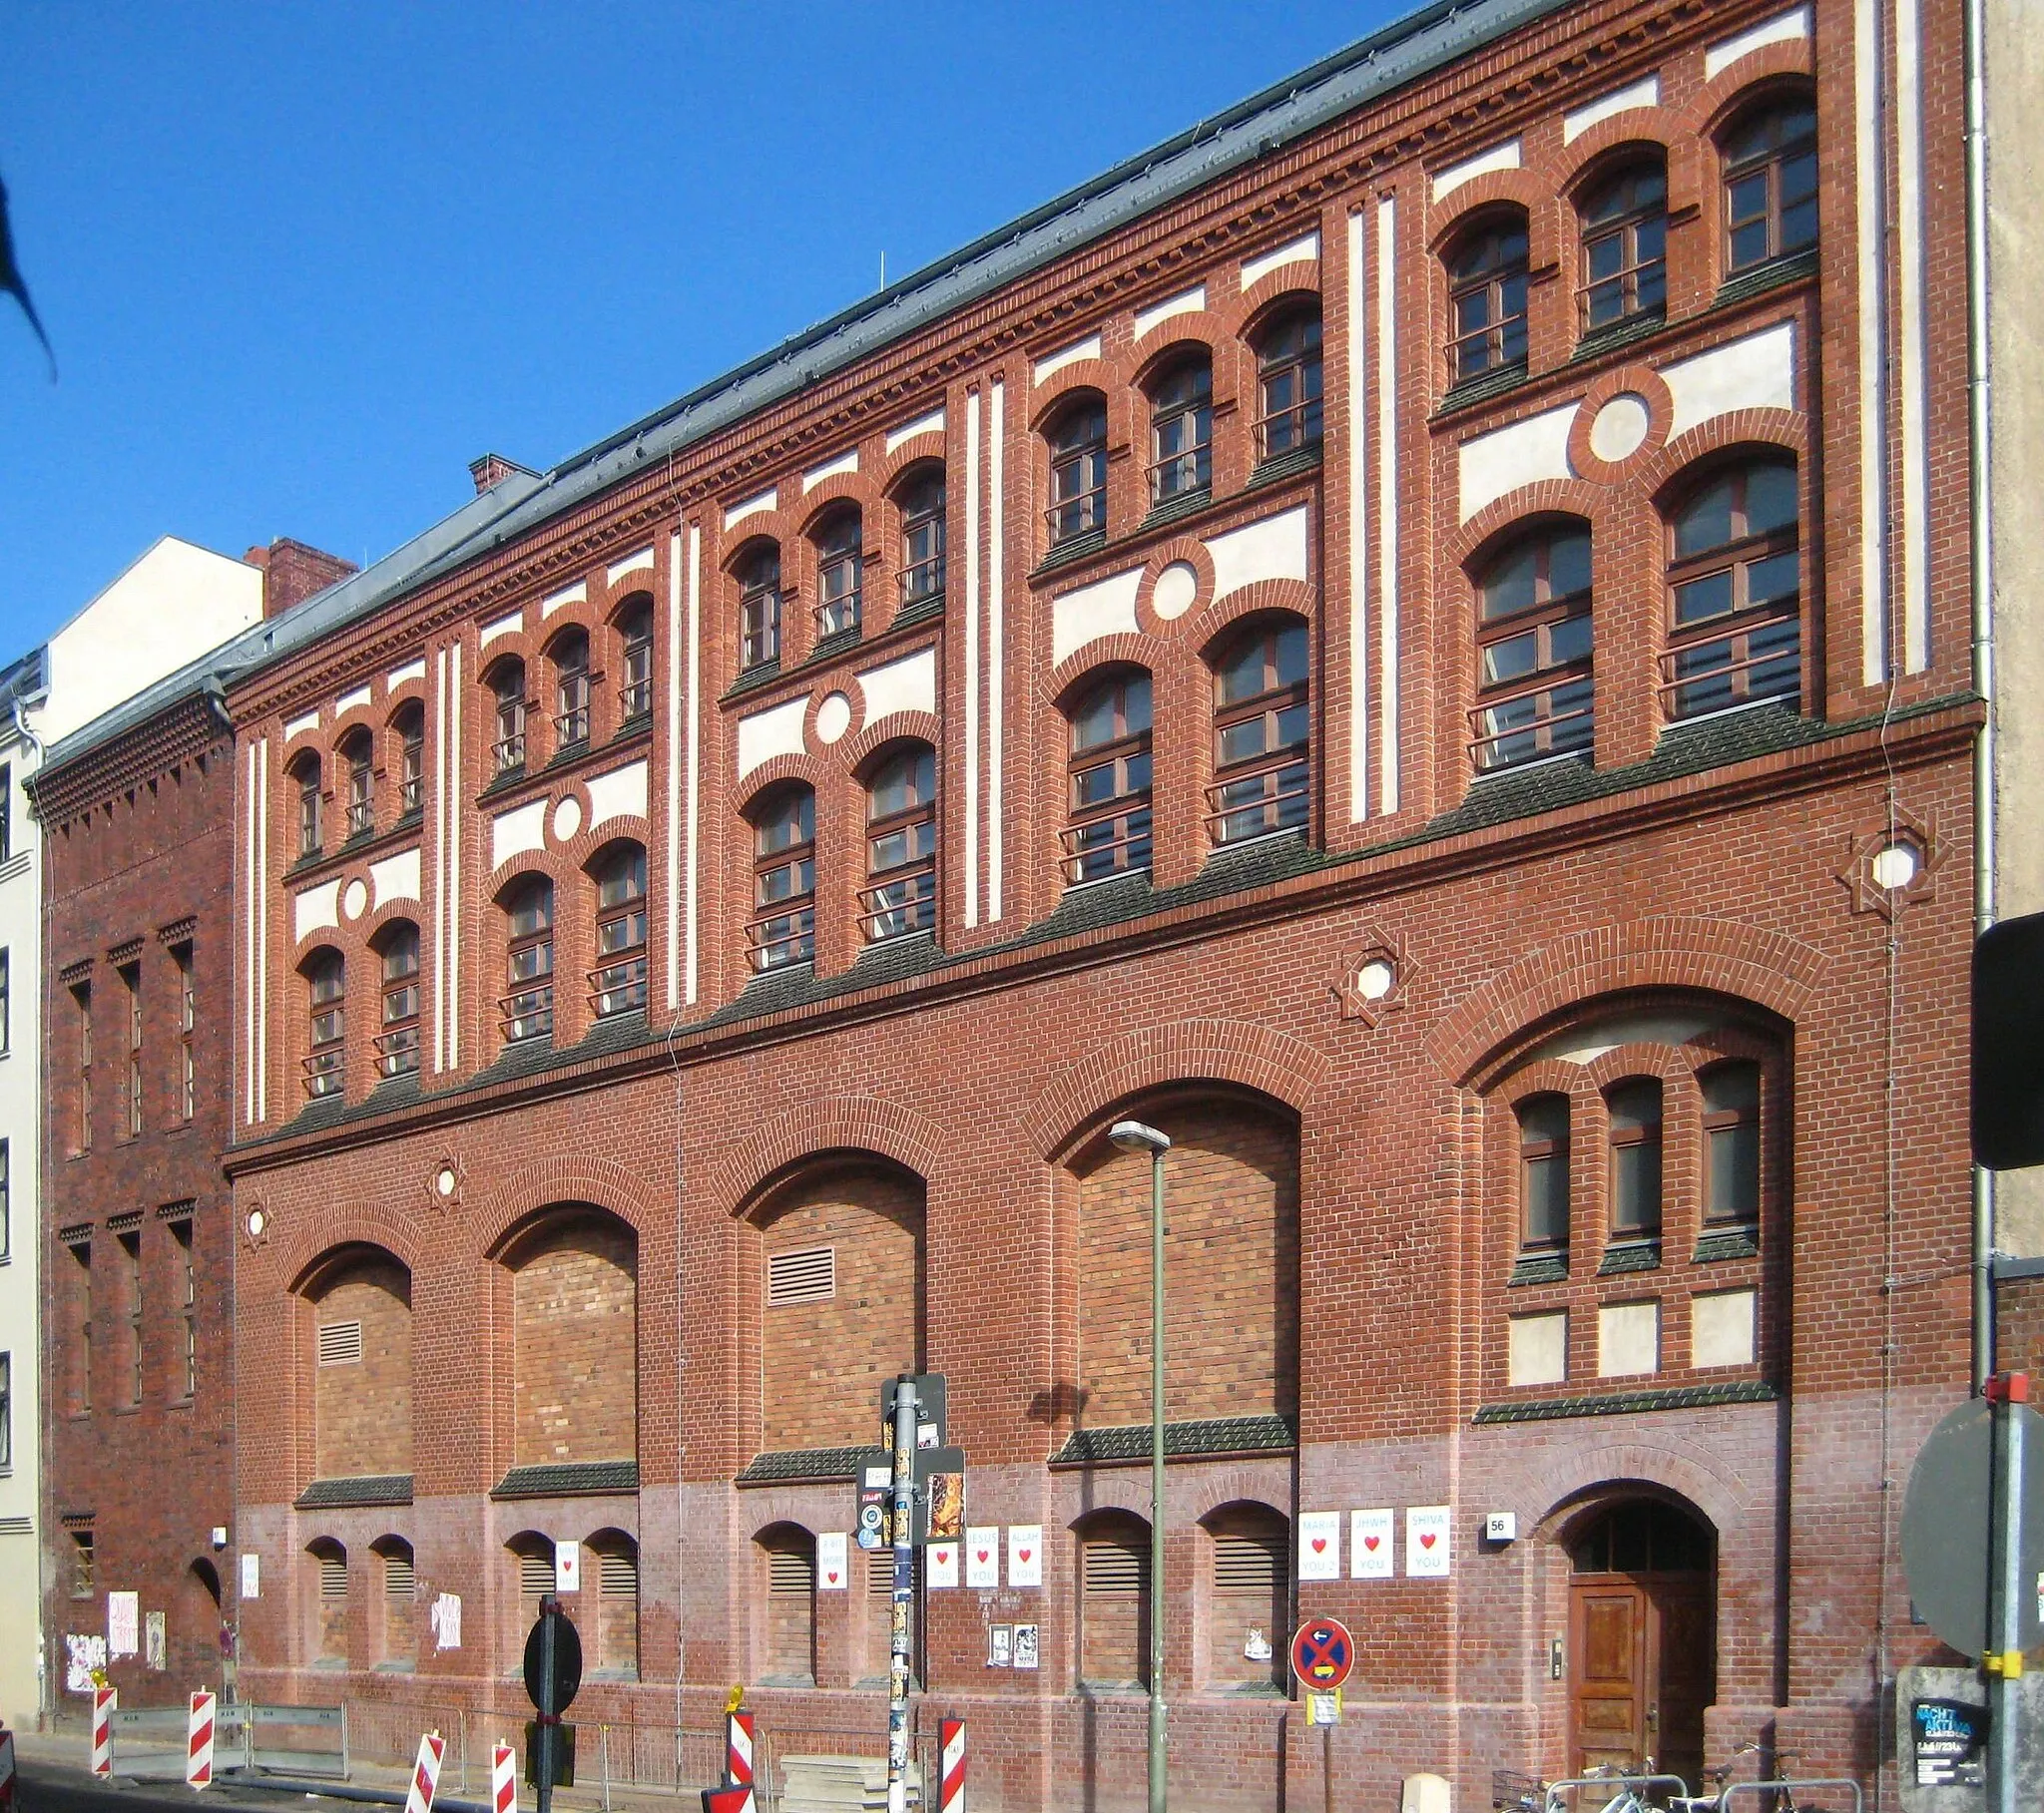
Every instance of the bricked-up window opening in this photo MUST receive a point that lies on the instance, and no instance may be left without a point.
(327, 1565)
(410, 726)
(81, 1008)
(1732, 1141)
(574, 1310)
(1624, 246)
(840, 555)
(357, 755)
(185, 1295)
(527, 1009)
(6, 1410)
(6, 1200)
(635, 639)
(1078, 471)
(1770, 184)
(1487, 298)
(130, 1088)
(187, 1032)
(1634, 1111)
(1289, 384)
(1533, 652)
(324, 1062)
(340, 1344)
(131, 1304)
(618, 983)
(571, 690)
(1735, 592)
(507, 688)
(616, 1558)
(1182, 430)
(922, 536)
(397, 1573)
(1110, 779)
(305, 776)
(1262, 728)
(901, 894)
(1544, 1171)
(397, 1619)
(357, 1387)
(806, 1276)
(82, 1571)
(1113, 1604)
(790, 1620)
(82, 1321)
(1249, 1622)
(759, 576)
(398, 1044)
(783, 929)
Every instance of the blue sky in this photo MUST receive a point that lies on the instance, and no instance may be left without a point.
(302, 264)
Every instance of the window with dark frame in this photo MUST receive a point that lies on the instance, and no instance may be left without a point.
(187, 1288)
(326, 1049)
(507, 749)
(131, 1255)
(1182, 430)
(6, 1202)
(618, 982)
(1078, 472)
(81, 1004)
(1533, 652)
(358, 757)
(1633, 1108)
(901, 894)
(6, 1410)
(783, 929)
(571, 690)
(1624, 246)
(922, 536)
(6, 999)
(527, 1009)
(1544, 1171)
(1487, 299)
(1770, 184)
(131, 983)
(1110, 825)
(81, 1573)
(187, 1032)
(6, 810)
(841, 546)
(1288, 385)
(759, 607)
(81, 1311)
(398, 1042)
(1732, 1141)
(410, 724)
(1735, 592)
(1262, 731)
(306, 776)
(635, 639)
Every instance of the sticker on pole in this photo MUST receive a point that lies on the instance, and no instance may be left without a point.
(1323, 1653)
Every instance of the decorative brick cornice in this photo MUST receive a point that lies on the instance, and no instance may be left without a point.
(186, 728)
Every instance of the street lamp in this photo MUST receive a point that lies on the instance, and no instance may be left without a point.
(1134, 1136)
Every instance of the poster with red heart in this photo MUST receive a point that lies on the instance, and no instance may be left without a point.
(942, 1559)
(1370, 1553)
(1319, 1545)
(983, 1557)
(1025, 1554)
(1426, 1542)
(832, 1572)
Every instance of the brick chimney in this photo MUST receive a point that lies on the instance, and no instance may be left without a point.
(292, 572)
(494, 468)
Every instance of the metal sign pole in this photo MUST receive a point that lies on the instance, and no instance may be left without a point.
(2005, 1664)
(549, 1714)
(904, 1573)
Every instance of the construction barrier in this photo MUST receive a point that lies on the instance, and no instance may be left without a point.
(198, 1741)
(503, 1779)
(738, 1734)
(280, 1740)
(950, 1765)
(104, 1702)
(425, 1774)
(728, 1800)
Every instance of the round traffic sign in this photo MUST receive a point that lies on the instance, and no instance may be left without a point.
(567, 1662)
(1946, 1519)
(1323, 1653)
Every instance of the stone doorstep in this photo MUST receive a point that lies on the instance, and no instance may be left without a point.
(823, 1784)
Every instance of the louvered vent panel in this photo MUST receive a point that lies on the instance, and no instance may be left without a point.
(880, 1572)
(618, 1574)
(808, 1276)
(334, 1576)
(1115, 1569)
(1248, 1567)
(536, 1574)
(340, 1344)
(790, 1574)
(397, 1575)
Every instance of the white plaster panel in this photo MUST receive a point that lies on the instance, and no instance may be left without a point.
(1537, 1349)
(907, 685)
(1777, 29)
(504, 626)
(396, 877)
(1255, 271)
(1628, 1339)
(514, 832)
(1053, 363)
(1275, 548)
(1191, 302)
(933, 423)
(1644, 93)
(618, 795)
(315, 908)
(412, 670)
(1498, 157)
(632, 563)
(1105, 607)
(293, 725)
(845, 462)
(752, 506)
(1720, 1328)
(1495, 465)
(766, 735)
(347, 701)
(1757, 372)
(576, 594)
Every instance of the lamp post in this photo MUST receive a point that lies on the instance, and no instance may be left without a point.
(1134, 1136)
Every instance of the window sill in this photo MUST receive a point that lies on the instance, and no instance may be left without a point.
(1761, 279)
(752, 678)
(1077, 548)
(1281, 466)
(1630, 1256)
(1481, 388)
(1625, 1403)
(826, 648)
(1175, 508)
(1539, 1268)
(1733, 1241)
(504, 782)
(1616, 335)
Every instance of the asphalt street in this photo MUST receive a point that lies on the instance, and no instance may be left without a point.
(47, 1789)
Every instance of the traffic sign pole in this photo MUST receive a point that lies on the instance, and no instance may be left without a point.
(2007, 1392)
(549, 1714)
(904, 1566)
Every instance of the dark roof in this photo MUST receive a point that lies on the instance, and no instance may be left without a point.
(809, 1464)
(568, 1479)
(363, 1488)
(1627, 1403)
(1208, 1436)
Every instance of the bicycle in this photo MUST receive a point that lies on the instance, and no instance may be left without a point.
(1627, 1799)
(1780, 1788)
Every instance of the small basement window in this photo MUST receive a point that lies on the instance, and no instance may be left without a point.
(340, 1344)
(806, 1276)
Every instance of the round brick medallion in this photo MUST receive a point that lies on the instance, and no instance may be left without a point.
(1176, 586)
(1619, 428)
(833, 717)
(567, 820)
(355, 899)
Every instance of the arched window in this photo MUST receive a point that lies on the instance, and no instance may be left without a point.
(397, 1043)
(1544, 1171)
(360, 1300)
(616, 1558)
(618, 983)
(783, 929)
(574, 1302)
(305, 776)
(526, 1010)
(1735, 592)
(1625, 245)
(922, 536)
(901, 894)
(759, 576)
(841, 545)
(634, 646)
(1078, 471)
(410, 728)
(1533, 650)
(397, 1638)
(532, 1564)
(1262, 733)
(357, 755)
(507, 687)
(1487, 298)
(1250, 1549)
(570, 688)
(326, 1566)
(1181, 429)
(1110, 779)
(1114, 1600)
(1289, 384)
(325, 974)
(1770, 184)
(1634, 1108)
(1732, 1141)
(789, 1558)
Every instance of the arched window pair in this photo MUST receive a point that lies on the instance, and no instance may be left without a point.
(396, 950)
(356, 769)
(616, 980)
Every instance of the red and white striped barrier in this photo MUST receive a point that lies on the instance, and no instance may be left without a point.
(728, 1800)
(425, 1774)
(504, 1779)
(199, 1742)
(104, 1700)
(738, 1749)
(950, 1765)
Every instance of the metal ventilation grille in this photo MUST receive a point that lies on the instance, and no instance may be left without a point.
(808, 1276)
(397, 1575)
(1247, 1567)
(334, 1576)
(340, 1344)
(536, 1574)
(1115, 1569)
(880, 1572)
(790, 1574)
(617, 1574)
